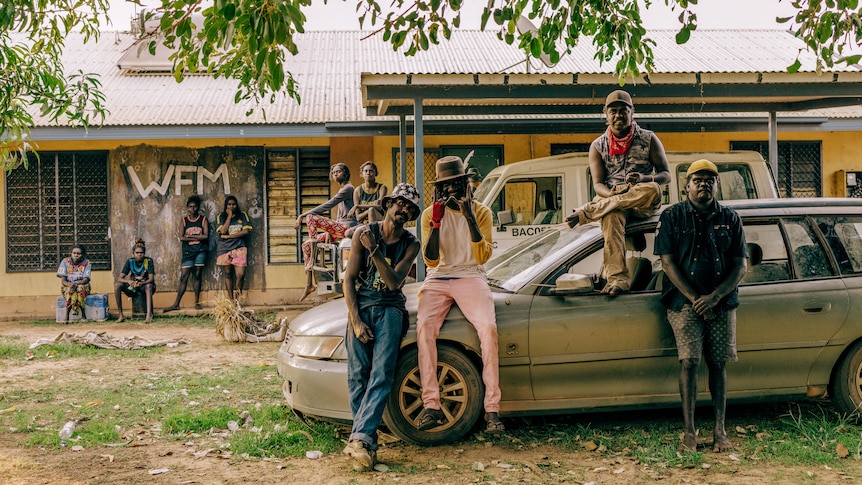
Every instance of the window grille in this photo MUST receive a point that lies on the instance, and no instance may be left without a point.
(799, 165)
(59, 200)
(428, 172)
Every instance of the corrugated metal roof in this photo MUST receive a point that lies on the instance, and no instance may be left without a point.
(329, 65)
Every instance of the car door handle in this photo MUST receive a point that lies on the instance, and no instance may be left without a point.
(816, 307)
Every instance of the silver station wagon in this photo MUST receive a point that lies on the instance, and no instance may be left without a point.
(566, 348)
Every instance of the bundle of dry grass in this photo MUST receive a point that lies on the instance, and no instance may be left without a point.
(237, 324)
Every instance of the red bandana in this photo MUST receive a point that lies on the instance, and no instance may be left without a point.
(619, 146)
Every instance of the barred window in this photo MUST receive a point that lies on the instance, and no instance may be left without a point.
(799, 165)
(60, 199)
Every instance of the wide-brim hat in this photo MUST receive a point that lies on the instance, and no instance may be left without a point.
(449, 168)
(406, 192)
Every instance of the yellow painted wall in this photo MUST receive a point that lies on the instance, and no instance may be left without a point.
(838, 153)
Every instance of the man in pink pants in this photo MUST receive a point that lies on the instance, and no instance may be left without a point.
(457, 241)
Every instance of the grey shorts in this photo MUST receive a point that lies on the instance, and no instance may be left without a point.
(715, 339)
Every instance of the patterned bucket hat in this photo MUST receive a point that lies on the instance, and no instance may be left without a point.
(408, 193)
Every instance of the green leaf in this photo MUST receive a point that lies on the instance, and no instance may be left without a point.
(794, 67)
(535, 47)
(683, 35)
(229, 12)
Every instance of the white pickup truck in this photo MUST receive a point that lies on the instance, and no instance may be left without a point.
(530, 196)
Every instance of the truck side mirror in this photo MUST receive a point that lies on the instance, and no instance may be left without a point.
(504, 218)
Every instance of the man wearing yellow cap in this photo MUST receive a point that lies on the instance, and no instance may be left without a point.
(702, 249)
(628, 166)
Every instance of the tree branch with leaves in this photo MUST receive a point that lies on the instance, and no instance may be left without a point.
(248, 41)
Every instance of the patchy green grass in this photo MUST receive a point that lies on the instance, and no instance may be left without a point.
(239, 407)
(155, 402)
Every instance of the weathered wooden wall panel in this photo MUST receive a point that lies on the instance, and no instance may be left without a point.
(149, 190)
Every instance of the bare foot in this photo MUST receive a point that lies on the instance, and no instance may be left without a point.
(721, 444)
(198, 306)
(689, 443)
(309, 290)
(149, 319)
(120, 318)
(171, 308)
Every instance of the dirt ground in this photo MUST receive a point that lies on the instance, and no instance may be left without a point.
(505, 461)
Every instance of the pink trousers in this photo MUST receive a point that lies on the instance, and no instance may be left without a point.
(474, 299)
(327, 227)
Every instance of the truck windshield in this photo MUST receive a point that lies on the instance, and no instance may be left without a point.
(484, 188)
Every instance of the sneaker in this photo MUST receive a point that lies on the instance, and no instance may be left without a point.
(363, 456)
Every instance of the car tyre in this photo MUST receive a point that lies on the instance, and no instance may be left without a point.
(461, 398)
(846, 389)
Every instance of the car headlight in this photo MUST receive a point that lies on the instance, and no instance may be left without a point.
(316, 347)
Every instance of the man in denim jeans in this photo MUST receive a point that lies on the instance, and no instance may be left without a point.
(382, 255)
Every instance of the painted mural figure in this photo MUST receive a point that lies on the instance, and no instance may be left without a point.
(380, 261)
(367, 197)
(628, 165)
(74, 273)
(137, 276)
(456, 233)
(194, 238)
(702, 249)
(330, 230)
(233, 226)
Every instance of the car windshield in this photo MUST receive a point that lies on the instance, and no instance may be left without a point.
(519, 265)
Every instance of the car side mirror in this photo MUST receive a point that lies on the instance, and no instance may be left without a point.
(573, 284)
(504, 218)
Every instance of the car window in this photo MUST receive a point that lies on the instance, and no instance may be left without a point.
(767, 253)
(809, 258)
(844, 236)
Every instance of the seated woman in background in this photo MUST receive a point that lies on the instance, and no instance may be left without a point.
(323, 229)
(74, 273)
(367, 197)
(137, 275)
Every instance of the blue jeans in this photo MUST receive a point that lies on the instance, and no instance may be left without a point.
(371, 369)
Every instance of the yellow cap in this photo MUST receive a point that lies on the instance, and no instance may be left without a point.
(702, 165)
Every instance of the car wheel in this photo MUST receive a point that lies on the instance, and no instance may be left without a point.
(461, 398)
(847, 381)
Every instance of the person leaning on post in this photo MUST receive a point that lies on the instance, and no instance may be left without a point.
(702, 249)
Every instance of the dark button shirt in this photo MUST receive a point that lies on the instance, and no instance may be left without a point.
(703, 247)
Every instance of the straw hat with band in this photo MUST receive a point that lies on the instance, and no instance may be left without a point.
(449, 168)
